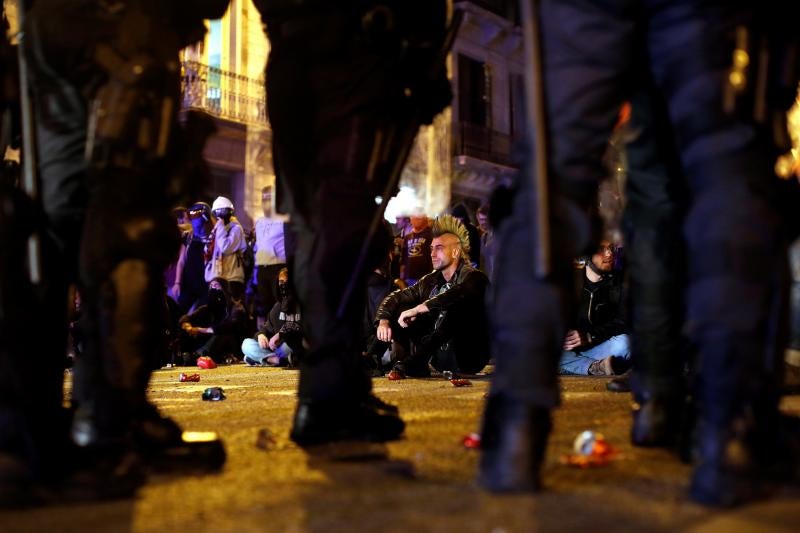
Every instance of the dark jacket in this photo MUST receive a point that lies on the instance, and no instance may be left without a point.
(601, 308)
(284, 318)
(469, 288)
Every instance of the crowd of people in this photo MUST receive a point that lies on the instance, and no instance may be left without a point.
(233, 309)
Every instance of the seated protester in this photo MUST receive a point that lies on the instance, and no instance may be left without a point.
(442, 318)
(599, 344)
(215, 329)
(280, 339)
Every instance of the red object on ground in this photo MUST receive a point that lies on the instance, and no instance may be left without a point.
(597, 451)
(206, 363)
(472, 441)
(395, 375)
(188, 377)
(461, 382)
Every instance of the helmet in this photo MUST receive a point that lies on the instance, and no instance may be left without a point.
(199, 209)
(221, 203)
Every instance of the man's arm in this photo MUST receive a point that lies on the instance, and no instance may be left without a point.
(399, 299)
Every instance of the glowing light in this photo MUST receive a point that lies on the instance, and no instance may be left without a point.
(199, 436)
(737, 79)
(741, 59)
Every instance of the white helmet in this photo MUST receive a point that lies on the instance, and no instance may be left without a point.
(221, 203)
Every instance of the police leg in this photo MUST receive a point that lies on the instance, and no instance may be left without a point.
(656, 201)
(124, 252)
(527, 313)
(333, 385)
(736, 249)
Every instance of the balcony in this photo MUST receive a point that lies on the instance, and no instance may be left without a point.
(480, 142)
(224, 94)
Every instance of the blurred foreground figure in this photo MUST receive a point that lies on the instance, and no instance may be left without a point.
(726, 110)
(346, 83)
(105, 78)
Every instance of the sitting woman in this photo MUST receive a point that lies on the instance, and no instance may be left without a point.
(214, 329)
(280, 339)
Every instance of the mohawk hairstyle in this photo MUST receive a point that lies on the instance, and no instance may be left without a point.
(449, 224)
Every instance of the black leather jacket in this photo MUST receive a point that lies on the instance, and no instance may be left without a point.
(601, 309)
(469, 288)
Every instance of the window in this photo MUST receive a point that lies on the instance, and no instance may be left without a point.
(472, 91)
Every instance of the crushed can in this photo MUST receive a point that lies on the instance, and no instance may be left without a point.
(213, 394)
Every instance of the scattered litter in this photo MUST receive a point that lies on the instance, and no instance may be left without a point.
(266, 440)
(590, 449)
(472, 441)
(183, 377)
(461, 382)
(206, 363)
(213, 394)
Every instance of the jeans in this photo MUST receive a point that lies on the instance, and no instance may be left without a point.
(255, 355)
(577, 362)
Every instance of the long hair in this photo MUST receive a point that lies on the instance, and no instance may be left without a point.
(450, 224)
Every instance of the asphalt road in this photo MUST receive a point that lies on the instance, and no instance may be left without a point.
(422, 483)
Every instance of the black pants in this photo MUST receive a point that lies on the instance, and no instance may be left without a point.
(328, 101)
(452, 341)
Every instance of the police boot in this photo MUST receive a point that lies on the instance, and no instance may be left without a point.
(513, 445)
(17, 458)
(166, 448)
(656, 421)
(323, 422)
(725, 472)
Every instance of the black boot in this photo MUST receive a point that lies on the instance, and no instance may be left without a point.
(513, 444)
(166, 448)
(725, 473)
(620, 383)
(656, 422)
(323, 422)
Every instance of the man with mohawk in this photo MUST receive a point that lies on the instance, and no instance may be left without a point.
(441, 319)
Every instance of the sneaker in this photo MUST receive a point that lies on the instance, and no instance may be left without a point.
(602, 367)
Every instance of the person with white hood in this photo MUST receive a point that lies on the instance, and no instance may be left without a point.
(226, 262)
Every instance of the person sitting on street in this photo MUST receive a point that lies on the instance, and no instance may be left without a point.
(280, 339)
(599, 345)
(441, 319)
(214, 329)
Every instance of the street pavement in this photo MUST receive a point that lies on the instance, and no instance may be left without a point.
(423, 483)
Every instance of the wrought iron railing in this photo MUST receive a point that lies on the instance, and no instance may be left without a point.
(224, 94)
(483, 143)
